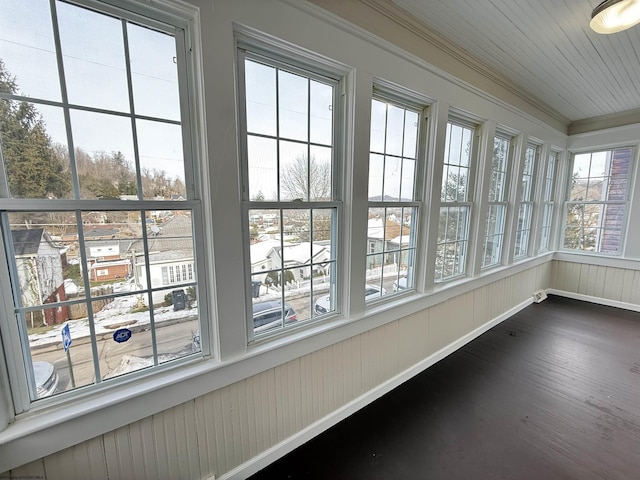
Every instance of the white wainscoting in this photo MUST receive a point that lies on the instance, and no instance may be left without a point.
(612, 282)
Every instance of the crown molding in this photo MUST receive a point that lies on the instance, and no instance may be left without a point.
(604, 122)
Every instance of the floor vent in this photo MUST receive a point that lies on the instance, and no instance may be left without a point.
(539, 296)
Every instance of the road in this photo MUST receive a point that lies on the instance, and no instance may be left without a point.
(172, 339)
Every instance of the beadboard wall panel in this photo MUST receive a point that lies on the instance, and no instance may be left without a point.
(221, 431)
(612, 285)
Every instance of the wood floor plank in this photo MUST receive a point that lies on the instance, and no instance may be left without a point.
(551, 393)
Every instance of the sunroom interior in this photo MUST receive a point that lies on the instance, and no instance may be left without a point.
(469, 236)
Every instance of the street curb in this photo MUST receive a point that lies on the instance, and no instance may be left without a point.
(57, 345)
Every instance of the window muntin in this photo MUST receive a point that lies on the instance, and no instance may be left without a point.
(290, 116)
(88, 247)
(525, 208)
(595, 212)
(548, 202)
(497, 204)
(455, 206)
(392, 223)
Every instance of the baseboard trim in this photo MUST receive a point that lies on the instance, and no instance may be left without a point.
(598, 300)
(269, 456)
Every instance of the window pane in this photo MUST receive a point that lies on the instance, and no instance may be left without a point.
(293, 106)
(105, 162)
(161, 161)
(378, 126)
(376, 169)
(32, 59)
(392, 178)
(408, 180)
(492, 249)
(452, 239)
(175, 312)
(411, 134)
(395, 130)
(35, 151)
(321, 116)
(294, 171)
(263, 168)
(154, 73)
(93, 54)
(320, 174)
(260, 93)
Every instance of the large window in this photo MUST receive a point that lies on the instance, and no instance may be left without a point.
(97, 203)
(548, 202)
(497, 205)
(392, 220)
(291, 207)
(456, 202)
(525, 210)
(595, 211)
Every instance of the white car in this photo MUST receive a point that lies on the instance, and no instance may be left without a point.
(46, 378)
(323, 304)
(400, 284)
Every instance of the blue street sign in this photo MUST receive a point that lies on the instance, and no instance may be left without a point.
(66, 337)
(122, 335)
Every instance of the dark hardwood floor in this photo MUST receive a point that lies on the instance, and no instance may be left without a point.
(551, 393)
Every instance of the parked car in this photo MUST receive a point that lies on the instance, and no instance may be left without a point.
(323, 304)
(268, 315)
(46, 378)
(400, 284)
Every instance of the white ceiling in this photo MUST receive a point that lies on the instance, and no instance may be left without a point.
(546, 48)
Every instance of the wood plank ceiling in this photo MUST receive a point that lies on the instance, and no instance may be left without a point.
(546, 48)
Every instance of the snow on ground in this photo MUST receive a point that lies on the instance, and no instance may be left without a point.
(113, 316)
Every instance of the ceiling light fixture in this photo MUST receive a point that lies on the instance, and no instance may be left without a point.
(613, 16)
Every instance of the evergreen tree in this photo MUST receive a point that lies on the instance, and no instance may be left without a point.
(34, 168)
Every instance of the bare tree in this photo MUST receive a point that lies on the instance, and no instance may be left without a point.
(302, 180)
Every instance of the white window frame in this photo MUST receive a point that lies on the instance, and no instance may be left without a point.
(548, 201)
(500, 201)
(463, 234)
(420, 109)
(603, 203)
(182, 22)
(526, 205)
(291, 60)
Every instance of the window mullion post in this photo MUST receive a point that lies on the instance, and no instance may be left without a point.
(86, 279)
(515, 193)
(437, 132)
(152, 323)
(65, 99)
(134, 127)
(484, 166)
(355, 221)
(538, 199)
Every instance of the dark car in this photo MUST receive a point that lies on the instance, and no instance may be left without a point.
(266, 315)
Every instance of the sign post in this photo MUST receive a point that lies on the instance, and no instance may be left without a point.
(66, 343)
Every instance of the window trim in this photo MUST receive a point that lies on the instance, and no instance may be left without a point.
(504, 202)
(528, 203)
(385, 93)
(183, 22)
(470, 202)
(254, 47)
(626, 202)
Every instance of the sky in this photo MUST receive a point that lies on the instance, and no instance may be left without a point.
(92, 45)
